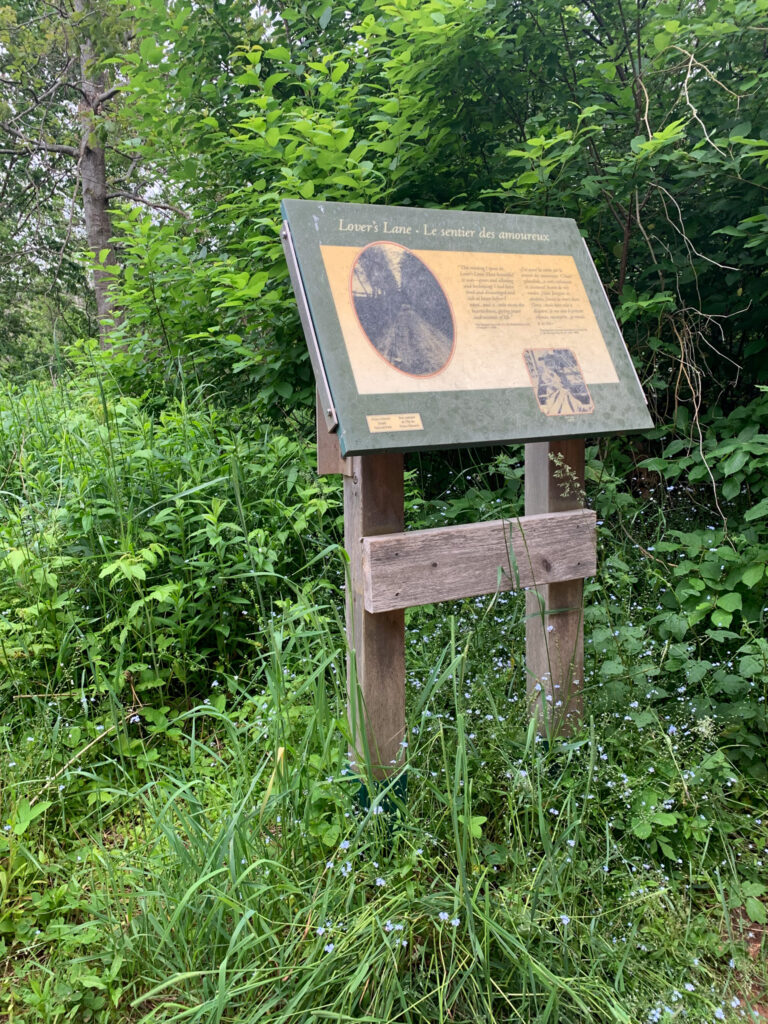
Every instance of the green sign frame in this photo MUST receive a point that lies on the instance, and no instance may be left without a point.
(438, 328)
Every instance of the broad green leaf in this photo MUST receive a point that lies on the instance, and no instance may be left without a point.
(475, 824)
(752, 575)
(721, 618)
(730, 602)
(758, 511)
(735, 462)
(26, 814)
(150, 51)
(16, 558)
(665, 818)
(661, 41)
(755, 910)
(752, 889)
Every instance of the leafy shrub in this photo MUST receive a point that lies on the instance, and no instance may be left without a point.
(141, 550)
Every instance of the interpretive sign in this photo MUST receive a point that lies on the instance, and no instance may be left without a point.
(437, 329)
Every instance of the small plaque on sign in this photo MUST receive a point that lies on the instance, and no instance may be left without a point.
(394, 421)
(489, 328)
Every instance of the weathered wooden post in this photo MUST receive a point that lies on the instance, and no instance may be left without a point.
(554, 634)
(373, 507)
(482, 329)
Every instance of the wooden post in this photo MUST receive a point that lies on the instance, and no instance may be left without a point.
(373, 505)
(554, 636)
(329, 458)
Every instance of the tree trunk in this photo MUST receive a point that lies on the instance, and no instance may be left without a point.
(92, 168)
(98, 227)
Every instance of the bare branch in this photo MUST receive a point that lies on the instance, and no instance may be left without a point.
(148, 202)
(58, 84)
(25, 146)
(105, 96)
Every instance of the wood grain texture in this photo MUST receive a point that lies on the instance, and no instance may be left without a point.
(554, 636)
(452, 562)
(329, 458)
(373, 505)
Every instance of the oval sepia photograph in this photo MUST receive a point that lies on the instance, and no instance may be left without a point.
(402, 309)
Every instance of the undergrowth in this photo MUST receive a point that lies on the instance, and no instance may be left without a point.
(182, 836)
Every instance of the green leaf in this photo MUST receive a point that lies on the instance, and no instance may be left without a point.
(26, 814)
(16, 558)
(642, 829)
(721, 618)
(475, 824)
(732, 486)
(325, 17)
(272, 136)
(330, 834)
(150, 51)
(758, 511)
(91, 981)
(735, 462)
(730, 602)
(752, 575)
(755, 910)
(661, 41)
(752, 889)
(664, 818)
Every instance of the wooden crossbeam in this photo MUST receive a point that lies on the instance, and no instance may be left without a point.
(448, 563)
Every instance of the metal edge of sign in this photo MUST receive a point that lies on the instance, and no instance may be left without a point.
(315, 355)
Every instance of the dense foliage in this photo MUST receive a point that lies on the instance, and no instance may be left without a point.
(182, 838)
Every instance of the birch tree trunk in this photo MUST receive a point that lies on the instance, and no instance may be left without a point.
(92, 168)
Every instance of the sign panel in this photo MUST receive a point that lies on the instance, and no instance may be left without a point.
(437, 329)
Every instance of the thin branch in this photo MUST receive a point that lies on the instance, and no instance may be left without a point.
(106, 96)
(30, 147)
(148, 202)
(58, 84)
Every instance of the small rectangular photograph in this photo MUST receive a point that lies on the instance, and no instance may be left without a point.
(558, 382)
